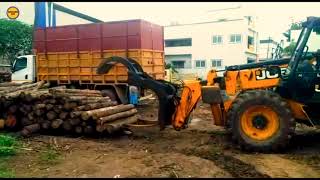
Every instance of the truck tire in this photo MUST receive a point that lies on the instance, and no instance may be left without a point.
(261, 120)
(110, 93)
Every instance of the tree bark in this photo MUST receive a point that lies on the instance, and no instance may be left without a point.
(120, 115)
(116, 125)
(102, 112)
(28, 130)
(99, 105)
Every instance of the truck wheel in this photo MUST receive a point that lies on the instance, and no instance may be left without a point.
(261, 121)
(110, 93)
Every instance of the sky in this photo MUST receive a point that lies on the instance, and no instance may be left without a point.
(273, 18)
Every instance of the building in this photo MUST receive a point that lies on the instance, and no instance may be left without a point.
(200, 47)
(267, 48)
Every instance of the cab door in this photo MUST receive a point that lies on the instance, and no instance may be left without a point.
(21, 70)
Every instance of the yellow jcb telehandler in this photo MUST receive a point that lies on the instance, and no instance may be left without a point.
(260, 103)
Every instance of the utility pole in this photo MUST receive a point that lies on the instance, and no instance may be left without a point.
(268, 47)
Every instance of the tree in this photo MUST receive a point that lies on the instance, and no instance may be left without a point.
(289, 50)
(15, 38)
(296, 26)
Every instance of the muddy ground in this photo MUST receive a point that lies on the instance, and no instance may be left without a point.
(202, 150)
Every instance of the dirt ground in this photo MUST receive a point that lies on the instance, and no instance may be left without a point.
(202, 150)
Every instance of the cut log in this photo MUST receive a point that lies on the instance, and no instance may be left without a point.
(11, 84)
(63, 115)
(45, 125)
(57, 108)
(55, 124)
(49, 107)
(31, 116)
(99, 105)
(51, 115)
(70, 105)
(83, 98)
(67, 126)
(88, 130)
(23, 87)
(75, 114)
(84, 102)
(58, 94)
(28, 130)
(25, 121)
(39, 112)
(102, 112)
(75, 121)
(78, 91)
(78, 129)
(120, 115)
(116, 125)
(39, 106)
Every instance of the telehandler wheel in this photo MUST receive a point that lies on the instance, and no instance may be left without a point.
(261, 120)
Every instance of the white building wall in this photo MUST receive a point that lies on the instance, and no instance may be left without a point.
(202, 47)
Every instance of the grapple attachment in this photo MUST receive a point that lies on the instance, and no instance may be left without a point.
(165, 91)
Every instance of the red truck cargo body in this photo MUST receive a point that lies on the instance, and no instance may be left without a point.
(73, 52)
(131, 34)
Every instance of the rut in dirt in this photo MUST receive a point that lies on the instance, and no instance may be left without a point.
(235, 167)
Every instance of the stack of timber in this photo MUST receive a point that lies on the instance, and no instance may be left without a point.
(33, 107)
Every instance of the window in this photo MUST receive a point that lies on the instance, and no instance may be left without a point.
(21, 63)
(178, 42)
(250, 60)
(216, 62)
(178, 64)
(217, 40)
(250, 42)
(200, 63)
(235, 38)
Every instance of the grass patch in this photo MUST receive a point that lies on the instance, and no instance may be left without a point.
(8, 145)
(8, 148)
(5, 172)
(50, 155)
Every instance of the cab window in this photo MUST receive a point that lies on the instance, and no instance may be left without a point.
(21, 63)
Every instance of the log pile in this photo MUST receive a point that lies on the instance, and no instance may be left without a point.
(33, 107)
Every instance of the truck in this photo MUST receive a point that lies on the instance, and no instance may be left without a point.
(69, 55)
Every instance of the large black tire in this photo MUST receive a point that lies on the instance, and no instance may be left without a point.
(279, 137)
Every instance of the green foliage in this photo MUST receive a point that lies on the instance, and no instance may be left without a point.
(7, 145)
(15, 38)
(296, 26)
(289, 50)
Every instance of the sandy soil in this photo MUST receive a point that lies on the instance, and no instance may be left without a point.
(202, 150)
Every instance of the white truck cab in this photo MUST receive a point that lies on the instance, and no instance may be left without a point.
(24, 69)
